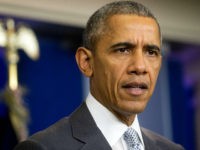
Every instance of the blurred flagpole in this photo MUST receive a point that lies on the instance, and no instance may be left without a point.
(13, 39)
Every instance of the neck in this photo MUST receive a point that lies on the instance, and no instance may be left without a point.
(126, 119)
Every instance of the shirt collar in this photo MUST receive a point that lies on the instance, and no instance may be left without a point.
(111, 127)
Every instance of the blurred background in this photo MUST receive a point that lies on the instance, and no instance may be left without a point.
(55, 87)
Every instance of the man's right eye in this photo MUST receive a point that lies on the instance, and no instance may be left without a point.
(123, 50)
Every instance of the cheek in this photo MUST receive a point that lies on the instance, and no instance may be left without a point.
(106, 75)
(109, 71)
(113, 76)
(117, 72)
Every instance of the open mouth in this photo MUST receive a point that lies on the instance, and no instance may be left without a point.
(135, 88)
(136, 85)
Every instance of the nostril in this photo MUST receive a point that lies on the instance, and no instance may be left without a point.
(138, 72)
(137, 69)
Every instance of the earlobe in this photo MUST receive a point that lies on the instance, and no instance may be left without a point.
(84, 61)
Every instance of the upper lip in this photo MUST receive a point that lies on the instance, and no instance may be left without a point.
(134, 84)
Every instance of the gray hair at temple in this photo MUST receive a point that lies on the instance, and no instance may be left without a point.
(96, 24)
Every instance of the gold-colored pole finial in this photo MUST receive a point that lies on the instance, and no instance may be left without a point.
(12, 39)
(12, 56)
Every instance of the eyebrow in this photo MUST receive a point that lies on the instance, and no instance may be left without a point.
(123, 44)
(130, 45)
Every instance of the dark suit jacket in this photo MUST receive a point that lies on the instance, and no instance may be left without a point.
(80, 132)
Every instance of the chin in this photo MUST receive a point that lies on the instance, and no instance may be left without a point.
(137, 107)
(132, 109)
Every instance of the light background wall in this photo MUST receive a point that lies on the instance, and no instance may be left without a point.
(179, 19)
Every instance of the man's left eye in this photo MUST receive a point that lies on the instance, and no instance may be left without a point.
(152, 52)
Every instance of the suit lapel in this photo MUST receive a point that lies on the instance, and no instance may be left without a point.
(85, 130)
(148, 142)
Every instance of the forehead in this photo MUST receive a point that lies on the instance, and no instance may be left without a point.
(131, 26)
(131, 21)
(115, 20)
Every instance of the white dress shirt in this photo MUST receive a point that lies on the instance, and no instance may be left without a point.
(111, 127)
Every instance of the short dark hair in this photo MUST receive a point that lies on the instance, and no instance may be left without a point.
(97, 22)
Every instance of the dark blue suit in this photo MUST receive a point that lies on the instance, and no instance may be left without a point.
(79, 132)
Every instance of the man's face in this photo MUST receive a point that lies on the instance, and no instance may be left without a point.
(126, 63)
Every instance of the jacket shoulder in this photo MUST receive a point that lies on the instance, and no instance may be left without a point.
(57, 129)
(160, 141)
(57, 136)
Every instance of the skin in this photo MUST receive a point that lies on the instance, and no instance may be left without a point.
(125, 65)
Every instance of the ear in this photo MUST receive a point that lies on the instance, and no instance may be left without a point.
(84, 61)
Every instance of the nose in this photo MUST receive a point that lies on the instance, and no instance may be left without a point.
(137, 63)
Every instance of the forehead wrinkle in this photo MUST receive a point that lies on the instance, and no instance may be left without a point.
(113, 29)
(146, 24)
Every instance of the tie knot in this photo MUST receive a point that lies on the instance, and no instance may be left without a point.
(132, 139)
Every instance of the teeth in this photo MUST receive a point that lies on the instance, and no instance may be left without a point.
(135, 86)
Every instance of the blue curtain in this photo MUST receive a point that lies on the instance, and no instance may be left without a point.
(53, 83)
(182, 110)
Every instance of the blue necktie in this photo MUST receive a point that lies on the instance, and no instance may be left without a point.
(132, 139)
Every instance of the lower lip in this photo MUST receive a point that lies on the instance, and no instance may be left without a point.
(135, 91)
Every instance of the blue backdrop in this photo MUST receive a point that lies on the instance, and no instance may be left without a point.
(54, 82)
